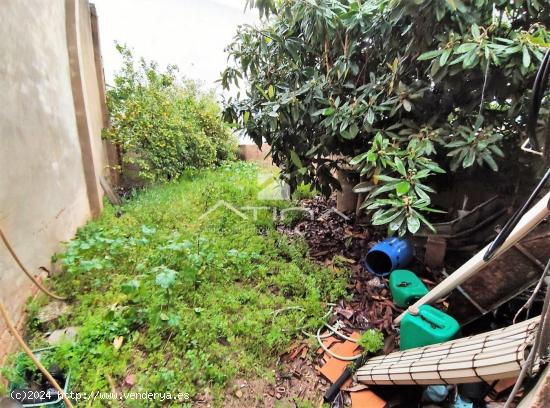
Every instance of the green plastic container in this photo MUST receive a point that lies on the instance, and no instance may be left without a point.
(429, 326)
(406, 288)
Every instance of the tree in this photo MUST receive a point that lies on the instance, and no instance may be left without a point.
(164, 125)
(407, 88)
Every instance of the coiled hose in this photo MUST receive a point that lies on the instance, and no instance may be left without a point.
(17, 336)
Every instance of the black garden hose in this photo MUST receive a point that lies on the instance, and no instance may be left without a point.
(541, 80)
(334, 389)
(513, 221)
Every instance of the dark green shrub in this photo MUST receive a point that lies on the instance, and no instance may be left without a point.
(443, 83)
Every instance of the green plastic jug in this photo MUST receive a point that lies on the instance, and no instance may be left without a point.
(406, 288)
(426, 325)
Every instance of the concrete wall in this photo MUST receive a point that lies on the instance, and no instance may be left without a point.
(251, 152)
(92, 93)
(51, 152)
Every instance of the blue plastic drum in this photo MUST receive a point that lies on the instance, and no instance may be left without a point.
(392, 253)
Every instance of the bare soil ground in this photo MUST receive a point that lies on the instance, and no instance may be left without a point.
(300, 384)
(296, 383)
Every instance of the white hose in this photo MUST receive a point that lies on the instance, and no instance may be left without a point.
(343, 358)
(340, 334)
(332, 331)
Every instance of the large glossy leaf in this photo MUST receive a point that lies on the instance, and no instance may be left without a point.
(413, 223)
(296, 159)
(402, 187)
(399, 166)
(429, 55)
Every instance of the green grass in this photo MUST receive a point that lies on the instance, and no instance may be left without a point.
(193, 298)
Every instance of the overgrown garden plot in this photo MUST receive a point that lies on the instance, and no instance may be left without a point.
(167, 301)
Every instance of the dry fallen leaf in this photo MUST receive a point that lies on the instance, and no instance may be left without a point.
(117, 342)
(130, 379)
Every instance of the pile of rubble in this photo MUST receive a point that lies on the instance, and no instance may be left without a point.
(340, 242)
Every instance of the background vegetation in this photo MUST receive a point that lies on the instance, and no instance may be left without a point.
(408, 88)
(162, 125)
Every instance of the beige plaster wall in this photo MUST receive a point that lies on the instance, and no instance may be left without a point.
(43, 189)
(92, 94)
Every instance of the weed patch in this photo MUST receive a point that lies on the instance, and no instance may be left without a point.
(185, 303)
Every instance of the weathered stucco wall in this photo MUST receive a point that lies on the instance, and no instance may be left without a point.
(44, 192)
(251, 152)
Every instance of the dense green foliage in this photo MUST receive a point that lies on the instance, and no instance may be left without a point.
(444, 83)
(162, 125)
(192, 300)
(372, 341)
(20, 369)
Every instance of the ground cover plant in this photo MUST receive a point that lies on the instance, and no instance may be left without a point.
(408, 89)
(164, 125)
(168, 301)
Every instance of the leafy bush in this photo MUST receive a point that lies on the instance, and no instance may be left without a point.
(400, 199)
(444, 82)
(162, 125)
(372, 341)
